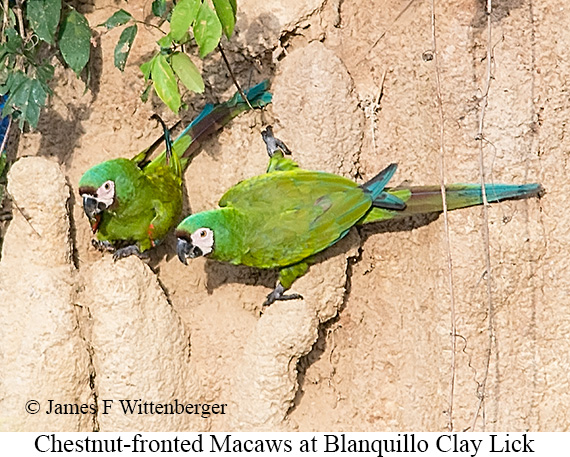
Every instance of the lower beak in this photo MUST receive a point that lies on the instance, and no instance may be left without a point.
(95, 220)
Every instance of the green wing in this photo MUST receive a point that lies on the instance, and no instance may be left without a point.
(293, 214)
(149, 204)
(277, 163)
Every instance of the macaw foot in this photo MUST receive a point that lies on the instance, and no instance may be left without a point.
(273, 144)
(5, 216)
(127, 251)
(103, 246)
(277, 294)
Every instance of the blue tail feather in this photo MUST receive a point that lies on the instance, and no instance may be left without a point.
(5, 123)
(258, 97)
(498, 192)
(375, 187)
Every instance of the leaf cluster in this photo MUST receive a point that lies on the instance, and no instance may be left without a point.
(32, 32)
(189, 21)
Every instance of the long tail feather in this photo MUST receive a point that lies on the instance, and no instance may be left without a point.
(213, 118)
(171, 159)
(5, 123)
(427, 199)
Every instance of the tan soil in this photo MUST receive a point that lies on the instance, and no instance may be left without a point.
(369, 348)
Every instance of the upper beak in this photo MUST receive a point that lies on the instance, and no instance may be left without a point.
(186, 249)
(91, 206)
(183, 248)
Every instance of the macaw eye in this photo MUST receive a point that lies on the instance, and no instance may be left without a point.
(203, 238)
(106, 193)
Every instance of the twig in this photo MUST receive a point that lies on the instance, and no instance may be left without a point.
(146, 24)
(383, 34)
(26, 218)
(5, 9)
(445, 218)
(485, 228)
(374, 107)
(233, 76)
(19, 8)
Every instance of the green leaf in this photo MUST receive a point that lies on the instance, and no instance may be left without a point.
(164, 82)
(75, 40)
(146, 67)
(121, 17)
(187, 72)
(10, 21)
(207, 30)
(159, 7)
(25, 100)
(5, 87)
(124, 46)
(146, 93)
(165, 42)
(234, 6)
(44, 73)
(13, 41)
(2, 169)
(43, 16)
(227, 16)
(183, 15)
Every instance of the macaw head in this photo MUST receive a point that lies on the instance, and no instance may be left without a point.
(101, 187)
(196, 236)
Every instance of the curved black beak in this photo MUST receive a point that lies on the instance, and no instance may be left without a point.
(89, 206)
(92, 206)
(186, 249)
(93, 209)
(182, 248)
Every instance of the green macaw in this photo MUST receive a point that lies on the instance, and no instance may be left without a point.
(133, 203)
(282, 218)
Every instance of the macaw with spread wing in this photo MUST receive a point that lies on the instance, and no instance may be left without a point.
(133, 203)
(282, 218)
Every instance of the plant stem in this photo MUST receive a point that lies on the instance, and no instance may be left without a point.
(233, 76)
(5, 12)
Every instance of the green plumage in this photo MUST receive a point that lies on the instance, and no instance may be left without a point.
(146, 205)
(134, 203)
(283, 217)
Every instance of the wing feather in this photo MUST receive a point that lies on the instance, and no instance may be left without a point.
(296, 213)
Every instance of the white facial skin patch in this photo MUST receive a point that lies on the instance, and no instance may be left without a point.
(106, 193)
(204, 239)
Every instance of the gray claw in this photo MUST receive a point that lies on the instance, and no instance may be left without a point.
(127, 251)
(273, 144)
(277, 294)
(103, 245)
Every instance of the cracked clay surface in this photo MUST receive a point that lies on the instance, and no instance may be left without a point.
(369, 346)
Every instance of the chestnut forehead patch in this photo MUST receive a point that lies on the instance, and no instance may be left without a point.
(87, 190)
